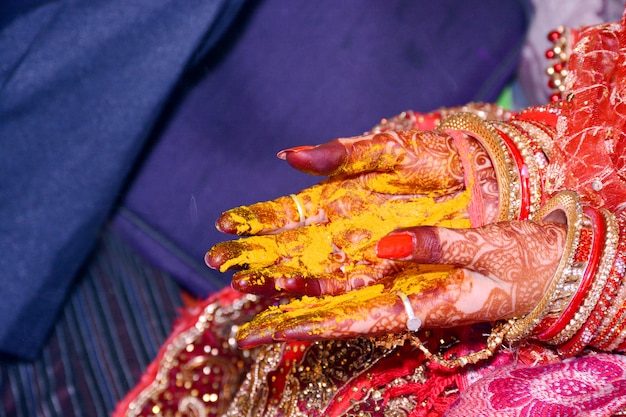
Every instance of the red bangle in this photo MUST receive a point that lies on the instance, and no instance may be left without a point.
(587, 278)
(545, 114)
(524, 177)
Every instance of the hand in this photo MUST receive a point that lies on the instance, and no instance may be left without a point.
(453, 277)
(377, 183)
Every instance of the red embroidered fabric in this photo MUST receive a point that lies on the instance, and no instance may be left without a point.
(591, 127)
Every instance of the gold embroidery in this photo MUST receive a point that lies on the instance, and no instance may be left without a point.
(192, 375)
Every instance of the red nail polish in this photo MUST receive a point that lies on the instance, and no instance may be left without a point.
(283, 154)
(395, 246)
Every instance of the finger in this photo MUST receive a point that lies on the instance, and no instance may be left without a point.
(427, 155)
(434, 299)
(344, 244)
(255, 252)
(395, 163)
(520, 256)
(283, 280)
(269, 217)
(309, 247)
(314, 205)
(313, 319)
(372, 310)
(520, 242)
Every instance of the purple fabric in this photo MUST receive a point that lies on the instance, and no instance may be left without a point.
(294, 73)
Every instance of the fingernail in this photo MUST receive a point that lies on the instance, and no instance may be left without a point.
(395, 246)
(249, 336)
(212, 261)
(283, 154)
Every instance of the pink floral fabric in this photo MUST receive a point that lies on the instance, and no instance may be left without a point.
(593, 385)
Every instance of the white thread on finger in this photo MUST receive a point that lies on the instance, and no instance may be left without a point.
(296, 200)
(413, 323)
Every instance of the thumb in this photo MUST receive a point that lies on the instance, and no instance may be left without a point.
(505, 251)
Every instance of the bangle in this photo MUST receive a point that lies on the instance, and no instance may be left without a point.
(476, 207)
(528, 170)
(563, 207)
(606, 337)
(614, 317)
(541, 140)
(583, 268)
(606, 307)
(546, 115)
(599, 278)
(614, 314)
(487, 136)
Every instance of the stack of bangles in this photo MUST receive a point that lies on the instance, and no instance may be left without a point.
(586, 293)
(585, 303)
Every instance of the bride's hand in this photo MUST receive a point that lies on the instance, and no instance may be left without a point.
(322, 240)
(452, 277)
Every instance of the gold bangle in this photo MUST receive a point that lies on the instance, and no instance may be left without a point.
(488, 137)
(534, 177)
(568, 203)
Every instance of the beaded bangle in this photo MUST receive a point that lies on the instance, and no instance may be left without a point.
(615, 316)
(605, 309)
(606, 339)
(541, 139)
(579, 278)
(568, 204)
(528, 170)
(522, 205)
(619, 341)
(599, 281)
(487, 136)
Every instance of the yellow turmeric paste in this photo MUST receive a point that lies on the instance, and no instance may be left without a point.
(311, 247)
(346, 306)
